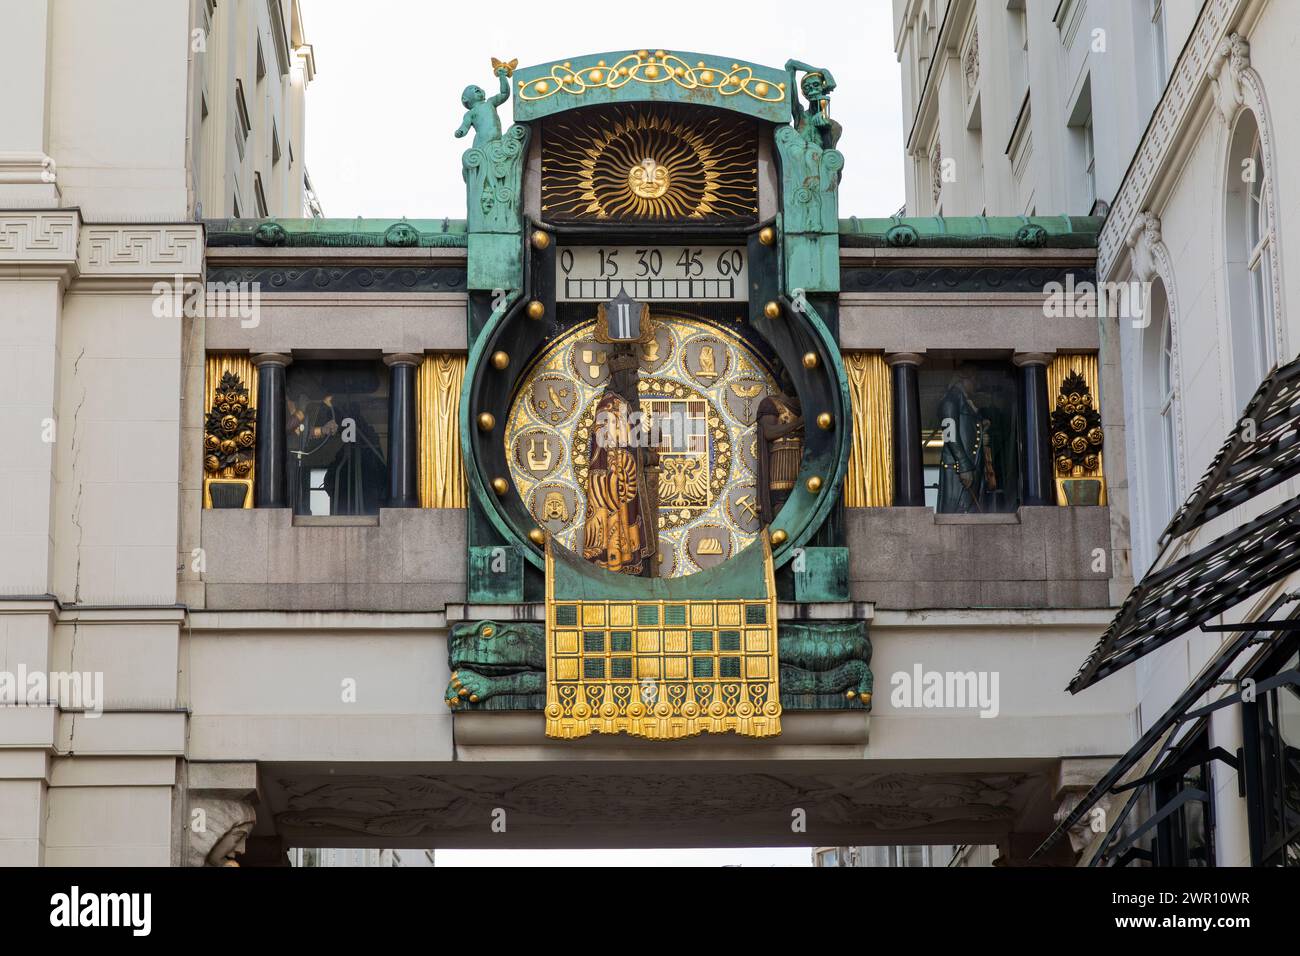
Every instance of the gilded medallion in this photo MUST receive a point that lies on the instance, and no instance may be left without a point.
(698, 388)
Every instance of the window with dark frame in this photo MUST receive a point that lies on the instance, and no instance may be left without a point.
(970, 411)
(241, 110)
(259, 196)
(1173, 820)
(337, 437)
(1271, 732)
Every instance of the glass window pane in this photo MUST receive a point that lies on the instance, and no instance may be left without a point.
(337, 424)
(970, 413)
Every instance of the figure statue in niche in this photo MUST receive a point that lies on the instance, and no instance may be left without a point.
(621, 529)
(355, 474)
(814, 124)
(966, 470)
(310, 425)
(780, 448)
(357, 477)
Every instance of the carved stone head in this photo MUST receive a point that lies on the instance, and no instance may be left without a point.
(219, 831)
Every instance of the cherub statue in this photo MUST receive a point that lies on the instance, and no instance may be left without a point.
(481, 112)
(814, 124)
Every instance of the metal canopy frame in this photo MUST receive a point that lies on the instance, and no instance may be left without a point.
(1169, 602)
(1260, 453)
(1178, 714)
(1254, 457)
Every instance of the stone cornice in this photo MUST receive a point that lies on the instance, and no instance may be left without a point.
(1189, 83)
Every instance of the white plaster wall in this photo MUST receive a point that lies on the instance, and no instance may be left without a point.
(109, 826)
(1062, 55)
(29, 365)
(118, 461)
(1034, 653)
(260, 694)
(117, 106)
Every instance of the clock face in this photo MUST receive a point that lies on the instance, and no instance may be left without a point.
(699, 388)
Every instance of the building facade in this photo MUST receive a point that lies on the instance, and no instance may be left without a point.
(905, 856)
(652, 503)
(100, 256)
(1159, 114)
(214, 126)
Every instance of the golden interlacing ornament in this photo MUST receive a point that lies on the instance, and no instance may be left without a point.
(645, 66)
(651, 162)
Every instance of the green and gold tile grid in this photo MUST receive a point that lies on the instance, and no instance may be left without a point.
(662, 669)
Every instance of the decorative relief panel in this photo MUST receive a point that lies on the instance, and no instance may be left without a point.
(869, 482)
(664, 666)
(650, 163)
(135, 250)
(442, 465)
(38, 236)
(1076, 431)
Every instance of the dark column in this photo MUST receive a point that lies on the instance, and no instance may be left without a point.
(1034, 437)
(909, 477)
(403, 440)
(269, 486)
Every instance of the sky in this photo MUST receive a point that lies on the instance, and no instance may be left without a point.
(386, 97)
(386, 100)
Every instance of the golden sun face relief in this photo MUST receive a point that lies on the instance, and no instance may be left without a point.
(655, 163)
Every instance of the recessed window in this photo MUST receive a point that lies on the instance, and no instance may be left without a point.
(275, 144)
(337, 423)
(241, 109)
(1182, 795)
(241, 118)
(1089, 161)
(259, 196)
(1248, 237)
(1271, 738)
(261, 62)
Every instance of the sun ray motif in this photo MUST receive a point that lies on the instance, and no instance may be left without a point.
(655, 162)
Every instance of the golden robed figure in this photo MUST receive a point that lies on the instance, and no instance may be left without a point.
(617, 532)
